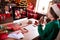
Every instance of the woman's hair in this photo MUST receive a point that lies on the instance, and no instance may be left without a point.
(53, 13)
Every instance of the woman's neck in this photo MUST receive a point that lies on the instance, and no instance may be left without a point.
(53, 19)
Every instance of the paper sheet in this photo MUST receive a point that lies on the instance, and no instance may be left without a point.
(16, 35)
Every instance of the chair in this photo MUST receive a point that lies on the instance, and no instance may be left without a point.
(4, 17)
(3, 36)
(0, 17)
(35, 16)
(30, 15)
(23, 15)
(8, 15)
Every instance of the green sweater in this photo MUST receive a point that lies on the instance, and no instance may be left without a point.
(59, 24)
(50, 32)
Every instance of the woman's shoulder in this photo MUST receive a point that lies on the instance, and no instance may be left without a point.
(53, 23)
(56, 22)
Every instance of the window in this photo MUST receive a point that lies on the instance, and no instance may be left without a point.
(42, 6)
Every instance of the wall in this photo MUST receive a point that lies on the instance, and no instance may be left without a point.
(32, 1)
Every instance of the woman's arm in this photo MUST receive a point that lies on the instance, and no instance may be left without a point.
(49, 31)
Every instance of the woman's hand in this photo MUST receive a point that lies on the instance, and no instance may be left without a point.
(41, 20)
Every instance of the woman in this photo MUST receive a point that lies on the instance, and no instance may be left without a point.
(51, 29)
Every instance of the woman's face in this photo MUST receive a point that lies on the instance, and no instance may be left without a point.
(6, 8)
(21, 10)
(50, 16)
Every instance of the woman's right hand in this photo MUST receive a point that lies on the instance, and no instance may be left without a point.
(41, 20)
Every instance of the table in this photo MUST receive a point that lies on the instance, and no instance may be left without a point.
(32, 30)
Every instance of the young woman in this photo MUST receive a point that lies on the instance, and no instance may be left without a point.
(51, 29)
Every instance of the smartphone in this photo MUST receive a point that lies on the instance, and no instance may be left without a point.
(45, 18)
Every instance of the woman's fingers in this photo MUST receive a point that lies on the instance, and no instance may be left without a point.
(41, 20)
